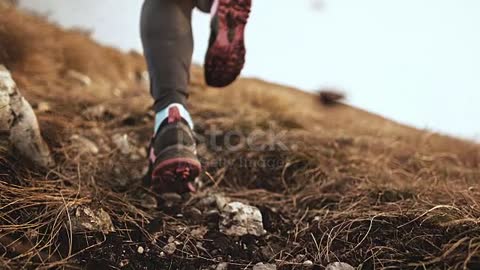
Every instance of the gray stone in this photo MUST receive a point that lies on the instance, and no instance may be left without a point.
(94, 220)
(238, 219)
(19, 121)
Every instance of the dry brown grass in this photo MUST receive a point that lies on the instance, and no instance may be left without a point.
(32, 48)
(349, 185)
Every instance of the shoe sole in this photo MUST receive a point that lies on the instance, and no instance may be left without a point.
(180, 172)
(225, 57)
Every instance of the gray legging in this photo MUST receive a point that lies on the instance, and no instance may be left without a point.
(167, 39)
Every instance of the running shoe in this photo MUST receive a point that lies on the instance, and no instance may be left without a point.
(225, 56)
(173, 157)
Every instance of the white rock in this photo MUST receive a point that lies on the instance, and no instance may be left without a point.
(238, 219)
(135, 157)
(18, 119)
(122, 143)
(339, 266)
(222, 266)
(140, 250)
(262, 266)
(84, 145)
(308, 263)
(142, 152)
(95, 112)
(97, 220)
(170, 248)
(44, 107)
(124, 263)
(80, 77)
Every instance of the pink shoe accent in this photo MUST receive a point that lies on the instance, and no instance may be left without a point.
(174, 115)
(153, 158)
(184, 167)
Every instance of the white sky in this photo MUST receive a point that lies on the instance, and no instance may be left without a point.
(415, 61)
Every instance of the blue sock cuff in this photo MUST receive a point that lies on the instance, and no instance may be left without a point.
(163, 114)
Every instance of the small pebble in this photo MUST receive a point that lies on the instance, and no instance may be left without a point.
(140, 250)
(122, 143)
(194, 213)
(170, 248)
(222, 266)
(199, 233)
(262, 266)
(44, 107)
(171, 197)
(124, 263)
(339, 266)
(308, 263)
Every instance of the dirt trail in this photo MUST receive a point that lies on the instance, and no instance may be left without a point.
(332, 183)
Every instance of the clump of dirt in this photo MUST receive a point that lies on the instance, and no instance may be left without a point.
(331, 183)
(330, 97)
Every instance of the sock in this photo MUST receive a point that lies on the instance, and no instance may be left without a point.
(163, 114)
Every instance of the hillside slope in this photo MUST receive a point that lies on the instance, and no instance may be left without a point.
(333, 183)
